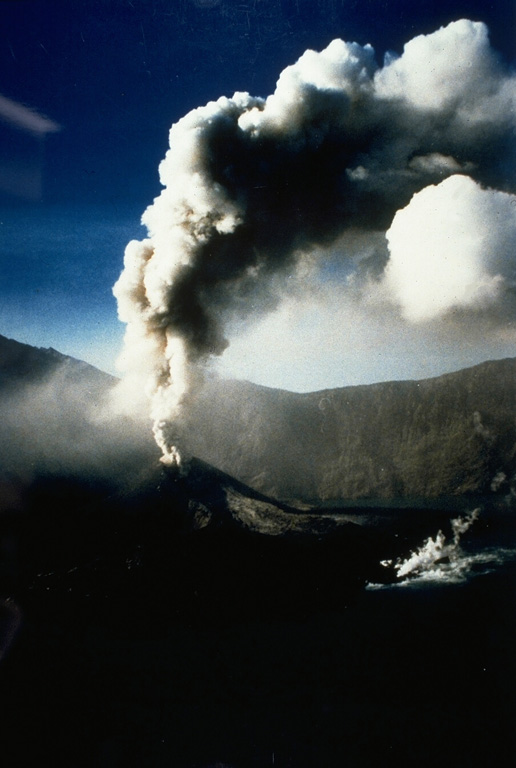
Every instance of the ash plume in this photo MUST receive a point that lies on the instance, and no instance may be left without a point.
(254, 187)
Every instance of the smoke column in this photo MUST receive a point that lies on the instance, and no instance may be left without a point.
(253, 186)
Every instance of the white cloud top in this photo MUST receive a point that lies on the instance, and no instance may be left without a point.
(421, 149)
(452, 247)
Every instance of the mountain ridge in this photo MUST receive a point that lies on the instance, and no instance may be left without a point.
(325, 390)
(447, 435)
(21, 360)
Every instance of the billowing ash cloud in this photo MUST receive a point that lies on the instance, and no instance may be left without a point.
(454, 247)
(253, 187)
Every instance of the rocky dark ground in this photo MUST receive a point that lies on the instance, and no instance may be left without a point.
(151, 617)
(194, 622)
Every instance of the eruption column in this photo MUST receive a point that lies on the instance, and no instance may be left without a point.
(253, 187)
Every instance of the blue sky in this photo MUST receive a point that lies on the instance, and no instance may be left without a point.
(112, 76)
(59, 263)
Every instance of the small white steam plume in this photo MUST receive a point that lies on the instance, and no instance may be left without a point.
(428, 559)
(253, 186)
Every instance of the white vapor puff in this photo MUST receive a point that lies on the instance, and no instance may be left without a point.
(254, 187)
(438, 559)
(453, 246)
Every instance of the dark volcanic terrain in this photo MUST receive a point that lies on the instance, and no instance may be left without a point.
(194, 622)
(156, 617)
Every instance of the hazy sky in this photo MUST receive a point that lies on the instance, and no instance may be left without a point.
(102, 82)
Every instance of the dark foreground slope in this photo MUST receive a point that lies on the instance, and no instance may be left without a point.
(152, 618)
(195, 623)
(98, 585)
(190, 544)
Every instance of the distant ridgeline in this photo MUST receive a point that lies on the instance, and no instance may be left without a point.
(22, 364)
(52, 420)
(455, 434)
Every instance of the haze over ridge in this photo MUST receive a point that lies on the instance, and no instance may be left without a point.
(449, 435)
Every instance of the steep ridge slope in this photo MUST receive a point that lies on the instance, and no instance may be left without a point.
(454, 434)
(450, 435)
(54, 419)
(184, 544)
